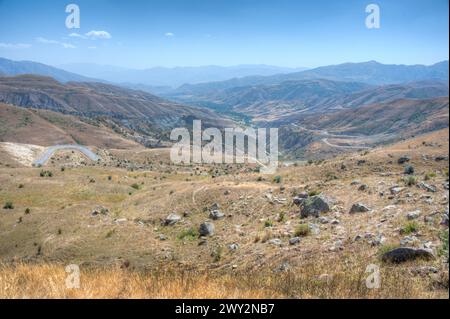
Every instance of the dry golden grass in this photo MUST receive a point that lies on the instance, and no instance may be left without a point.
(47, 281)
(60, 229)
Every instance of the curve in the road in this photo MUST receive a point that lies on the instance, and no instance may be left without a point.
(53, 149)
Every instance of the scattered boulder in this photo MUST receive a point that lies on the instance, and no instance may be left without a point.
(233, 247)
(216, 215)
(172, 219)
(445, 218)
(300, 198)
(441, 158)
(100, 210)
(359, 208)
(323, 220)
(404, 159)
(396, 190)
(363, 187)
(294, 241)
(409, 170)
(413, 215)
(377, 240)
(275, 242)
(215, 206)
(315, 205)
(206, 229)
(428, 188)
(404, 254)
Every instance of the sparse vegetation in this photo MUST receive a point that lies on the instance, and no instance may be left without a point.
(410, 227)
(46, 173)
(188, 234)
(410, 181)
(277, 179)
(8, 205)
(302, 230)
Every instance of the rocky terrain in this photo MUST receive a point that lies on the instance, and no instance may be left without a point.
(318, 224)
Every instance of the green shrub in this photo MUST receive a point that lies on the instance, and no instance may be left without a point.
(314, 193)
(410, 227)
(302, 230)
(8, 205)
(410, 181)
(277, 179)
(136, 186)
(188, 234)
(46, 173)
(443, 251)
(268, 223)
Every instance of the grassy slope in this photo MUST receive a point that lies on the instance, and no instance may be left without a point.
(60, 230)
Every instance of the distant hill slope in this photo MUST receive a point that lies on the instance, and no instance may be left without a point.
(134, 109)
(173, 77)
(12, 68)
(365, 126)
(47, 128)
(400, 117)
(283, 102)
(372, 72)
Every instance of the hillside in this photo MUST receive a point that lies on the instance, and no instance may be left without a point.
(372, 73)
(260, 247)
(325, 135)
(137, 110)
(12, 68)
(284, 102)
(47, 128)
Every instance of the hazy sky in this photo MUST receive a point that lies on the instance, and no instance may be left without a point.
(140, 34)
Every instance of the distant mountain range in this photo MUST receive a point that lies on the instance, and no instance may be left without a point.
(173, 77)
(11, 68)
(286, 101)
(372, 72)
(383, 102)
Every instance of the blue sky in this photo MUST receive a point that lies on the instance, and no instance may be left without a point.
(293, 33)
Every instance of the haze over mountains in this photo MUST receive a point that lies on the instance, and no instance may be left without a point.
(173, 77)
(357, 103)
(11, 68)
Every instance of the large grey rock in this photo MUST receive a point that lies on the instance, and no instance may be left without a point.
(316, 205)
(404, 254)
(359, 208)
(404, 159)
(206, 229)
(172, 219)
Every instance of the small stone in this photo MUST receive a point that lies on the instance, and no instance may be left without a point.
(172, 219)
(413, 215)
(294, 241)
(359, 208)
(206, 229)
(216, 215)
(276, 242)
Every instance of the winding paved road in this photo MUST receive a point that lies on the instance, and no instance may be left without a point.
(51, 150)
